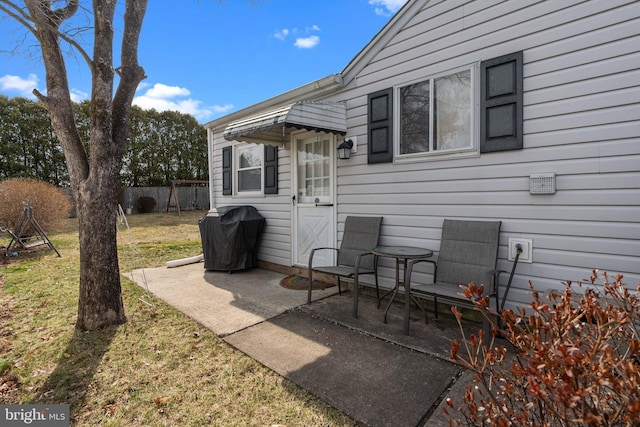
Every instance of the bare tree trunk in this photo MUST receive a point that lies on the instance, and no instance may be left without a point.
(94, 176)
(100, 300)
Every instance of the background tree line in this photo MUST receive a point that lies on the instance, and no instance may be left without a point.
(162, 145)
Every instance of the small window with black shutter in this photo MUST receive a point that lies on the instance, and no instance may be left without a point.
(380, 126)
(270, 169)
(227, 171)
(256, 169)
(501, 103)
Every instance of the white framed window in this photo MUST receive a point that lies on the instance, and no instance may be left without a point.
(438, 115)
(249, 168)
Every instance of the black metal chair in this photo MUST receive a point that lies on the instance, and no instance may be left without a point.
(468, 254)
(354, 255)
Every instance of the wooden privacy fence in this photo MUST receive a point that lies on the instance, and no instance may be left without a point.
(189, 197)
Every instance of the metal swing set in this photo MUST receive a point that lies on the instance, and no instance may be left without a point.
(28, 234)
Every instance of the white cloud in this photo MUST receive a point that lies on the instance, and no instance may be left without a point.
(160, 90)
(78, 95)
(281, 34)
(143, 85)
(222, 108)
(159, 96)
(301, 42)
(24, 87)
(307, 42)
(389, 7)
(162, 97)
(310, 41)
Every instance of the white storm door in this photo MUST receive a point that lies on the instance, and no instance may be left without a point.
(313, 198)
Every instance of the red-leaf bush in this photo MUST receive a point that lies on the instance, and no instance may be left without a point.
(572, 358)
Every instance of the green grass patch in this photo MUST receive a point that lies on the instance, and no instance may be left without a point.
(160, 368)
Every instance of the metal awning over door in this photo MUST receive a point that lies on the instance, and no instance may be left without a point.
(274, 126)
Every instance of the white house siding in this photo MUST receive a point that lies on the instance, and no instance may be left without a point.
(275, 246)
(581, 121)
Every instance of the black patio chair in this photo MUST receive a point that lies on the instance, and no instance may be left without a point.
(354, 255)
(468, 254)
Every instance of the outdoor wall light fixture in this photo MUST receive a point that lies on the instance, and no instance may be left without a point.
(344, 149)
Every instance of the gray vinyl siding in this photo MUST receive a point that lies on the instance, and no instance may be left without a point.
(275, 246)
(581, 121)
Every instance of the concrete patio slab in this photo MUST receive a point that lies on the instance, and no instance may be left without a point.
(364, 367)
(375, 382)
(223, 302)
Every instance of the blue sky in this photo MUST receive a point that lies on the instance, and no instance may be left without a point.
(210, 57)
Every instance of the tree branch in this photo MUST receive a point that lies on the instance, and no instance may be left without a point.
(58, 102)
(19, 15)
(131, 72)
(58, 16)
(40, 97)
(62, 14)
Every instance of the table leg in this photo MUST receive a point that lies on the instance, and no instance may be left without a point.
(407, 296)
(407, 306)
(395, 289)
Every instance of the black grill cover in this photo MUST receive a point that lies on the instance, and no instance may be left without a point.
(230, 237)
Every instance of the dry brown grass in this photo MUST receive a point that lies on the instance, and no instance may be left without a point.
(159, 369)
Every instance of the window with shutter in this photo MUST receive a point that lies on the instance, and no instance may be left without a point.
(501, 103)
(253, 168)
(380, 126)
(270, 169)
(227, 171)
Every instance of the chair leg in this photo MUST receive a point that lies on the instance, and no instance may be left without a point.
(498, 308)
(339, 286)
(356, 297)
(486, 329)
(377, 290)
(435, 307)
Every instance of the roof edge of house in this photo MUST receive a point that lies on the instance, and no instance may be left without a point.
(377, 43)
(307, 92)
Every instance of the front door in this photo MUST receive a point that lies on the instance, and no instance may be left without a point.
(313, 197)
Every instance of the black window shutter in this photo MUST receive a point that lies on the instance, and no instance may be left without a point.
(227, 171)
(270, 169)
(380, 126)
(501, 103)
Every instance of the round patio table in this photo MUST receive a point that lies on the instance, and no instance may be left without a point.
(402, 254)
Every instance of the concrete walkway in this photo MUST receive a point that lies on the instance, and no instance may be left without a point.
(366, 368)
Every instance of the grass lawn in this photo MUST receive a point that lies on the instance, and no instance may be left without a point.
(160, 368)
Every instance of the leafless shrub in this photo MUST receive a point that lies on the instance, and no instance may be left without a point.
(146, 204)
(50, 204)
(575, 360)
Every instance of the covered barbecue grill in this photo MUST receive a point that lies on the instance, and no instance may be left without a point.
(230, 237)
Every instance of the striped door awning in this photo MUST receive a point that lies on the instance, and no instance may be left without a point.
(274, 126)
